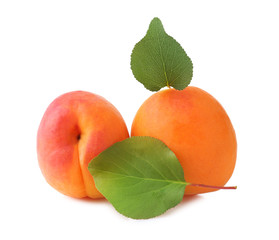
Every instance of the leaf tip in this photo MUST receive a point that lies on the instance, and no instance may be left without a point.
(156, 20)
(155, 24)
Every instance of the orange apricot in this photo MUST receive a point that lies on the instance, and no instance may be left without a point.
(197, 129)
(75, 128)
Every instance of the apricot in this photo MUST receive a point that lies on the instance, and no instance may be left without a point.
(197, 129)
(75, 128)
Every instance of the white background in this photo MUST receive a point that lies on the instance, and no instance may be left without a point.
(51, 47)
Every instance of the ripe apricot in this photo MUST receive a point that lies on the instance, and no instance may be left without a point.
(196, 128)
(75, 128)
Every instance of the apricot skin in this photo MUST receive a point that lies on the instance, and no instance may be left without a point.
(75, 128)
(197, 129)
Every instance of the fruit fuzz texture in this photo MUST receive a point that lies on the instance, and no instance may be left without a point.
(75, 128)
(197, 129)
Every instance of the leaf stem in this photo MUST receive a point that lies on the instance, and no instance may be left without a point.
(210, 186)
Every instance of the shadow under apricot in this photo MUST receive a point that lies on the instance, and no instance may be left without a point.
(186, 202)
(88, 200)
(190, 198)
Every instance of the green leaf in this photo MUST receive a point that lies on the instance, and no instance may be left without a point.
(140, 176)
(158, 60)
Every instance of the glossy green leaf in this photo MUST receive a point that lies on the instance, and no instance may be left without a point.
(140, 176)
(158, 60)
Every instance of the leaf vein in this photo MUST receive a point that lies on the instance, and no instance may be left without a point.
(144, 178)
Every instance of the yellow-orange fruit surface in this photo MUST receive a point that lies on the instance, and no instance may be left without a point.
(75, 128)
(196, 128)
